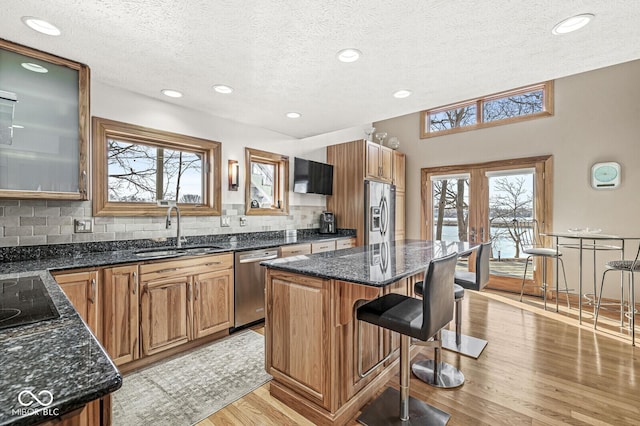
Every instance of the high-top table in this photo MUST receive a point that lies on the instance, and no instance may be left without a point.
(595, 241)
(310, 326)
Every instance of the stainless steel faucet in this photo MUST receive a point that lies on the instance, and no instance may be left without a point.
(168, 225)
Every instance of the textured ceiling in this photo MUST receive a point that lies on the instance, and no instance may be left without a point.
(280, 56)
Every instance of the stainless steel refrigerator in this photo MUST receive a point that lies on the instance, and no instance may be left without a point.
(379, 212)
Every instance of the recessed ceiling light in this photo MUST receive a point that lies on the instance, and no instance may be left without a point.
(221, 88)
(349, 55)
(294, 115)
(34, 67)
(402, 93)
(171, 93)
(41, 26)
(572, 24)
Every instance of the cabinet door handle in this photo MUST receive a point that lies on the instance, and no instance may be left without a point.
(213, 263)
(135, 283)
(197, 290)
(161, 271)
(189, 292)
(92, 298)
(83, 188)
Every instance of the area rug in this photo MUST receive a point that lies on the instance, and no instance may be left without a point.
(191, 387)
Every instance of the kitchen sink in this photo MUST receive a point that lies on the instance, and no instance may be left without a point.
(161, 252)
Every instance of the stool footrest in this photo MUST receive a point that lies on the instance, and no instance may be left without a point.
(384, 411)
(449, 377)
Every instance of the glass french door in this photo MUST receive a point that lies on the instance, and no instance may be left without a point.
(479, 203)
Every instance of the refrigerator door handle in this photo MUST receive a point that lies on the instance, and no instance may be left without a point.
(384, 216)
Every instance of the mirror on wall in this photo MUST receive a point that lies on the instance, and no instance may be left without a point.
(44, 103)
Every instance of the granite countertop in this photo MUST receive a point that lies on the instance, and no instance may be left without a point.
(60, 356)
(377, 265)
(92, 259)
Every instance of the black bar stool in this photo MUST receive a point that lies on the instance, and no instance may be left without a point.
(412, 318)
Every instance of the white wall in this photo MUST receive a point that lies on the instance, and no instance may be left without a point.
(597, 118)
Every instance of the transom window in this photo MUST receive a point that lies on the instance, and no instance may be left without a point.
(135, 167)
(501, 108)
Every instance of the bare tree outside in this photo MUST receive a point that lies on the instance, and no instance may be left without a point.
(511, 199)
(146, 173)
(451, 204)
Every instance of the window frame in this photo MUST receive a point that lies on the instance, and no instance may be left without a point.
(104, 129)
(281, 176)
(547, 110)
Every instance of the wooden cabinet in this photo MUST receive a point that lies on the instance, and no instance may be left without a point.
(379, 160)
(295, 250)
(345, 243)
(212, 302)
(353, 162)
(323, 246)
(120, 329)
(165, 313)
(399, 171)
(170, 313)
(81, 288)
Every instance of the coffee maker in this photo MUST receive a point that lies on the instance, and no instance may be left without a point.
(327, 223)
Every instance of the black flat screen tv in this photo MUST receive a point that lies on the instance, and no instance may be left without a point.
(311, 177)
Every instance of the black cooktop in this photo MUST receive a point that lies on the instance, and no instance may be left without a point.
(24, 300)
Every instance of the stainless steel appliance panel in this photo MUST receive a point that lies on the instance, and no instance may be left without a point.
(380, 212)
(249, 285)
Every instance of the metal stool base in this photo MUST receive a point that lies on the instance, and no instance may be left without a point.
(384, 411)
(449, 377)
(469, 346)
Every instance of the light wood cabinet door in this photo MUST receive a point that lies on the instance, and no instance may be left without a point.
(81, 289)
(373, 160)
(298, 322)
(323, 246)
(295, 250)
(121, 313)
(212, 302)
(345, 243)
(399, 171)
(386, 164)
(165, 309)
(400, 216)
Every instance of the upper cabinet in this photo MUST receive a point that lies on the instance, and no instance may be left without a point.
(379, 162)
(399, 171)
(44, 125)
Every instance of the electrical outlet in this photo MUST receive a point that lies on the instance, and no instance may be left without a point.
(225, 221)
(81, 226)
(243, 221)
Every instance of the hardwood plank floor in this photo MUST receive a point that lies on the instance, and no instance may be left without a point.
(539, 368)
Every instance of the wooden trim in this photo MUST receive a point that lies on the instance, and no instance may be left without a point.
(211, 152)
(281, 182)
(84, 76)
(548, 110)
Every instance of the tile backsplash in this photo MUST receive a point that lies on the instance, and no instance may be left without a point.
(36, 222)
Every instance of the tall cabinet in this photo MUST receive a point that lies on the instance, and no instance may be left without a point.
(353, 162)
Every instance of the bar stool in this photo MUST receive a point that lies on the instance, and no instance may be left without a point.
(412, 318)
(623, 266)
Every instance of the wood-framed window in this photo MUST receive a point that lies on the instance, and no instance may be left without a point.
(44, 125)
(524, 103)
(135, 166)
(267, 188)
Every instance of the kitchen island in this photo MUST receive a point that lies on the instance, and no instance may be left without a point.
(310, 327)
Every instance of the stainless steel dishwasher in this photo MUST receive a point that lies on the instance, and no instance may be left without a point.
(249, 285)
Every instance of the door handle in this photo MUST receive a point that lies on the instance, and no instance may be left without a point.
(482, 234)
(197, 290)
(92, 297)
(472, 235)
(135, 283)
(189, 292)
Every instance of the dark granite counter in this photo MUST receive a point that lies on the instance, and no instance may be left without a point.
(376, 265)
(59, 356)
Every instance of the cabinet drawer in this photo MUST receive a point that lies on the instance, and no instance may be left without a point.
(323, 246)
(186, 266)
(345, 243)
(295, 250)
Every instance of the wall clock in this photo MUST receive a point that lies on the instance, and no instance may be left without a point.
(605, 175)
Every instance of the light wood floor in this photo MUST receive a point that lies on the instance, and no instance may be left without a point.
(539, 368)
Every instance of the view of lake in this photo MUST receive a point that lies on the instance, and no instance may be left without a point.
(503, 246)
